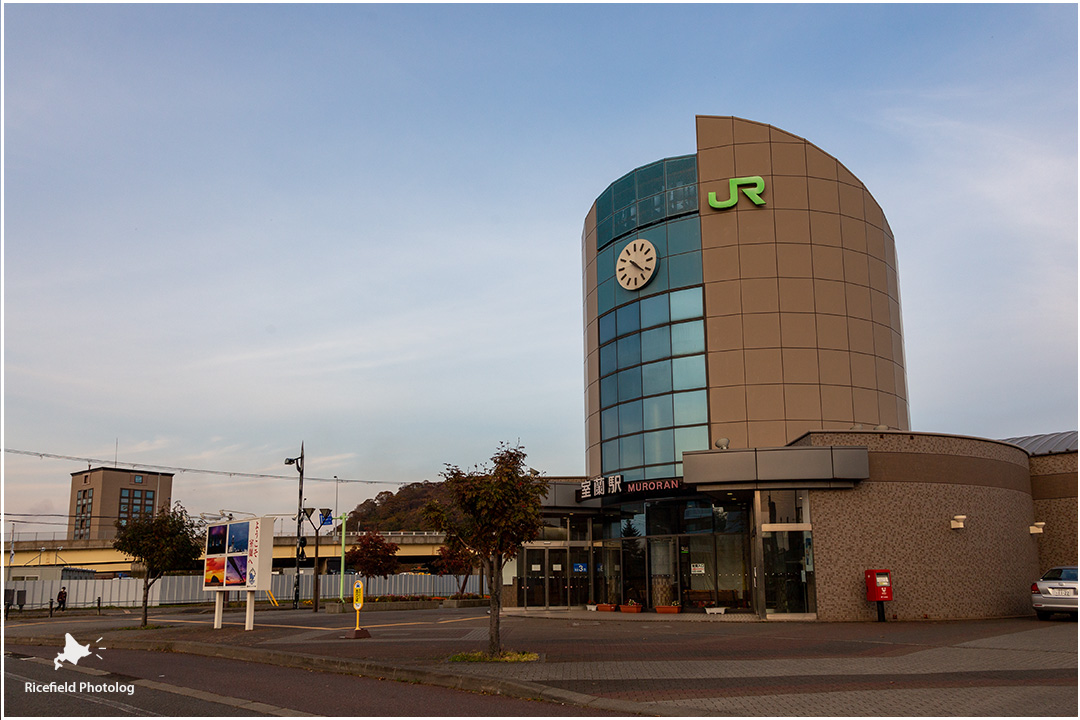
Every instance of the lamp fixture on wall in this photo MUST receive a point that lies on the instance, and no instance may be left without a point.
(957, 522)
(723, 443)
(1037, 528)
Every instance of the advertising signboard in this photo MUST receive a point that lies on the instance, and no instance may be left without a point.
(236, 558)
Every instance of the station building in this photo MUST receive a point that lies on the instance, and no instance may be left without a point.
(748, 438)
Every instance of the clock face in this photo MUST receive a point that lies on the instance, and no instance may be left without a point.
(636, 264)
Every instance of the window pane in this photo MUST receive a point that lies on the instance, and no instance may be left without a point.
(657, 412)
(654, 311)
(603, 204)
(686, 304)
(684, 269)
(650, 179)
(609, 423)
(124, 492)
(656, 344)
(607, 328)
(688, 373)
(688, 338)
(610, 456)
(630, 417)
(608, 359)
(605, 232)
(690, 408)
(609, 390)
(630, 384)
(137, 493)
(623, 221)
(624, 191)
(656, 378)
(684, 236)
(628, 321)
(681, 171)
(660, 518)
(659, 447)
(689, 439)
(682, 200)
(659, 471)
(605, 296)
(651, 209)
(630, 451)
(149, 494)
(629, 350)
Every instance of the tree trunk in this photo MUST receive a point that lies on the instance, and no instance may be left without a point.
(464, 580)
(145, 596)
(494, 570)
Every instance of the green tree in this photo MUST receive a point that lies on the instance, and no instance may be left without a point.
(373, 556)
(165, 542)
(491, 511)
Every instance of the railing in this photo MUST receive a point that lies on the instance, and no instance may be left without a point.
(188, 589)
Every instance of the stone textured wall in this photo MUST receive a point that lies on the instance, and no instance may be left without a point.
(1054, 488)
(982, 571)
(1058, 542)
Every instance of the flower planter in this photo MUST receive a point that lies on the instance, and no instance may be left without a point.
(667, 609)
(630, 608)
(715, 611)
(605, 607)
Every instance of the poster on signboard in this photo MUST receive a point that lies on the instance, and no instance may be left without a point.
(235, 556)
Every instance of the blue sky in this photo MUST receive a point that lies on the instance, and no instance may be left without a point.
(230, 229)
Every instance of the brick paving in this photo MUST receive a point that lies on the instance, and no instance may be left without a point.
(656, 665)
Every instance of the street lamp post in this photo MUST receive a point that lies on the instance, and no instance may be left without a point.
(324, 514)
(299, 463)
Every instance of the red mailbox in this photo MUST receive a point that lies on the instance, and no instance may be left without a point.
(878, 585)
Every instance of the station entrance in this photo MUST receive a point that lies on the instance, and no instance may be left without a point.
(749, 553)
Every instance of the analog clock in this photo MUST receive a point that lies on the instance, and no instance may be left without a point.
(636, 264)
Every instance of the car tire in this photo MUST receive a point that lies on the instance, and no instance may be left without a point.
(1043, 614)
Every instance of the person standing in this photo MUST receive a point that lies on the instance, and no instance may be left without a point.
(61, 598)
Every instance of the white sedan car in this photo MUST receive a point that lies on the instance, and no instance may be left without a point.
(1055, 592)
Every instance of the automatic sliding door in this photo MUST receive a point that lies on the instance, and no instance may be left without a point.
(557, 578)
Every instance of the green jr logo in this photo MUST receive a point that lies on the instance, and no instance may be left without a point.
(754, 193)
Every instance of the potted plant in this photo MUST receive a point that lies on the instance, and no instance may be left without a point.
(631, 606)
(668, 609)
(606, 607)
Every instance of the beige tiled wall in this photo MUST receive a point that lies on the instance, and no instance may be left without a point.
(801, 297)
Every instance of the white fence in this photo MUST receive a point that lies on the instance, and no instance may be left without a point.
(188, 589)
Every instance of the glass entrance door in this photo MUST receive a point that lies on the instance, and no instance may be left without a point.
(697, 571)
(557, 577)
(788, 559)
(579, 575)
(534, 578)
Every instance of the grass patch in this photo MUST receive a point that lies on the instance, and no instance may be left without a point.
(506, 656)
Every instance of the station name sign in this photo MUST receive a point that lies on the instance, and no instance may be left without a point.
(613, 486)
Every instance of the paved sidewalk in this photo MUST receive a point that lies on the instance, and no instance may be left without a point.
(647, 664)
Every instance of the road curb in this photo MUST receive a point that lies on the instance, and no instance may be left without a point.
(364, 668)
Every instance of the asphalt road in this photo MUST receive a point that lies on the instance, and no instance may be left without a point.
(173, 684)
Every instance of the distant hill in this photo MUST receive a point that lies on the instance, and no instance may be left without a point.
(395, 511)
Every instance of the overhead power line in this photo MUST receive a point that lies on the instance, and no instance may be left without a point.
(168, 468)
